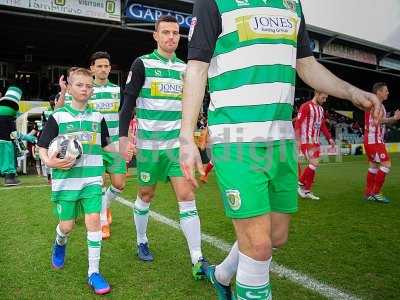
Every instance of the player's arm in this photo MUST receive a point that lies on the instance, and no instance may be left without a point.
(205, 29)
(193, 93)
(132, 135)
(48, 134)
(321, 79)
(392, 120)
(327, 133)
(134, 84)
(106, 142)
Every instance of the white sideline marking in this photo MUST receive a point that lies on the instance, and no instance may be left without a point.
(297, 277)
(22, 186)
(11, 188)
(342, 163)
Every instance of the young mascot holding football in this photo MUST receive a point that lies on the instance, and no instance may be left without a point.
(71, 144)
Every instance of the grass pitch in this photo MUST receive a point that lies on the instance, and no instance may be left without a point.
(340, 240)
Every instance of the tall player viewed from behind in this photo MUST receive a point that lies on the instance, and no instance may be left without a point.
(379, 160)
(251, 69)
(309, 124)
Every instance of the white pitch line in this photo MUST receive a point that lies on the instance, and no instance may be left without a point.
(294, 276)
(343, 163)
(11, 188)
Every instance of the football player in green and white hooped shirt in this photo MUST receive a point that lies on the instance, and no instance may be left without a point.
(251, 50)
(78, 186)
(154, 86)
(106, 99)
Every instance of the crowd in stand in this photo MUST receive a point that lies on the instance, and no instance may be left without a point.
(347, 129)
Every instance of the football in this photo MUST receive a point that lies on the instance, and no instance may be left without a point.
(66, 147)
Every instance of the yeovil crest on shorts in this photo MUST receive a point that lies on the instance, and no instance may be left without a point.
(144, 176)
(234, 199)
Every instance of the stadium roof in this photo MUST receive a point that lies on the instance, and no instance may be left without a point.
(68, 40)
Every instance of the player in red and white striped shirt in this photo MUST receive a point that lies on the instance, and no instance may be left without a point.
(309, 124)
(374, 145)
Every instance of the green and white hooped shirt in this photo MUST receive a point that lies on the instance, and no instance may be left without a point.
(106, 100)
(252, 69)
(85, 177)
(159, 104)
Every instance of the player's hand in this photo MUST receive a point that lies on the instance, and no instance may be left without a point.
(60, 101)
(63, 84)
(368, 102)
(124, 148)
(332, 143)
(60, 163)
(397, 115)
(131, 150)
(190, 160)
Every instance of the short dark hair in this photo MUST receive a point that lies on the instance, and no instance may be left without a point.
(165, 18)
(377, 86)
(99, 55)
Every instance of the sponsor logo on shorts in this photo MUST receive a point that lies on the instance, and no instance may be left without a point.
(145, 176)
(234, 199)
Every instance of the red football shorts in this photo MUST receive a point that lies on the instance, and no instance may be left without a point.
(376, 152)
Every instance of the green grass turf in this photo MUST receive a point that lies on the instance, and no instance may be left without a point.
(339, 240)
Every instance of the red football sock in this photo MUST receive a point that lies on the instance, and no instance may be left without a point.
(208, 168)
(380, 179)
(370, 181)
(308, 177)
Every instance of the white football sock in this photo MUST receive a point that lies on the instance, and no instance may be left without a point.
(225, 270)
(141, 218)
(110, 194)
(103, 212)
(252, 277)
(94, 249)
(61, 237)
(190, 225)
